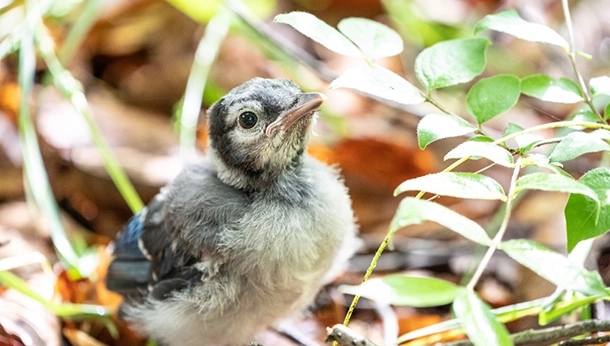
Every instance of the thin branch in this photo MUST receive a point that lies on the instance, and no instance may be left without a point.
(498, 237)
(572, 55)
(347, 337)
(560, 124)
(552, 335)
(591, 340)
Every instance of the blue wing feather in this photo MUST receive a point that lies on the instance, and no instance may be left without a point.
(128, 272)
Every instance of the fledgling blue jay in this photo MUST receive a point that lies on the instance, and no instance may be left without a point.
(244, 238)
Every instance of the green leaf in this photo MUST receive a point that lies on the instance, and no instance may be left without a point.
(435, 126)
(373, 38)
(554, 267)
(556, 312)
(477, 147)
(554, 182)
(512, 128)
(451, 62)
(543, 161)
(312, 27)
(607, 112)
(581, 212)
(403, 290)
(576, 144)
(526, 141)
(545, 88)
(378, 81)
(492, 96)
(585, 115)
(461, 185)
(479, 323)
(600, 85)
(511, 23)
(413, 211)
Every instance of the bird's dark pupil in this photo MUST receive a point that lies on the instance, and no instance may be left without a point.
(247, 120)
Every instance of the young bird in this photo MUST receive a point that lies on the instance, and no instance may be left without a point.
(244, 238)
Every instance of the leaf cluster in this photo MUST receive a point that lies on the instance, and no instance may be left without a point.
(459, 61)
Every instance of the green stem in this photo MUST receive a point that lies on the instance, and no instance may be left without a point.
(436, 104)
(498, 237)
(552, 126)
(34, 171)
(205, 55)
(71, 89)
(572, 56)
(80, 28)
(66, 310)
(440, 107)
(367, 275)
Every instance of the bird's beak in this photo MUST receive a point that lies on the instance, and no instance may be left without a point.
(304, 104)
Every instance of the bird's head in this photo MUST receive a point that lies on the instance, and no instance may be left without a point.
(259, 130)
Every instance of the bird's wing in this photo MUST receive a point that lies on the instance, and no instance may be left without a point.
(173, 242)
(144, 258)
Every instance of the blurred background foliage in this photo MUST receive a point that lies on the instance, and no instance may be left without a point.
(101, 103)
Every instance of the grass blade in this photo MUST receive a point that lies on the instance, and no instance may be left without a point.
(71, 89)
(35, 175)
(215, 32)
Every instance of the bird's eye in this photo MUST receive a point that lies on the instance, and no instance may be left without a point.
(247, 120)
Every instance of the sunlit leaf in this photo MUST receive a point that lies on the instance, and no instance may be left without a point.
(492, 96)
(527, 141)
(451, 62)
(512, 128)
(479, 323)
(548, 316)
(576, 144)
(585, 115)
(482, 148)
(511, 23)
(381, 82)
(543, 161)
(581, 212)
(600, 85)
(374, 39)
(399, 289)
(462, 185)
(554, 182)
(413, 211)
(435, 126)
(545, 88)
(312, 27)
(554, 267)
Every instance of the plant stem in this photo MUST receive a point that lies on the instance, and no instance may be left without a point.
(440, 107)
(36, 179)
(552, 126)
(72, 90)
(572, 56)
(206, 53)
(498, 237)
(367, 275)
(436, 104)
(81, 27)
